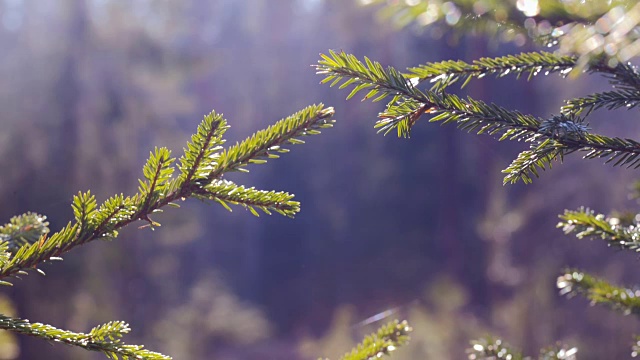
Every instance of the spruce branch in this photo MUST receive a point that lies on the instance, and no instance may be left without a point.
(599, 291)
(409, 102)
(201, 153)
(226, 192)
(22, 230)
(624, 78)
(267, 143)
(610, 100)
(541, 156)
(84, 207)
(616, 232)
(104, 338)
(157, 171)
(445, 73)
(387, 339)
(160, 189)
(551, 138)
(5, 258)
(201, 169)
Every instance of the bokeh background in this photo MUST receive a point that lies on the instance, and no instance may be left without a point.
(420, 229)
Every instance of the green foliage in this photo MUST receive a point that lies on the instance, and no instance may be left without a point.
(104, 338)
(584, 28)
(203, 150)
(226, 192)
(25, 244)
(268, 143)
(610, 100)
(620, 232)
(387, 339)
(445, 73)
(23, 230)
(599, 291)
(551, 139)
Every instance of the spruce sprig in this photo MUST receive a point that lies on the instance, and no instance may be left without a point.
(386, 340)
(540, 156)
(104, 338)
(203, 150)
(610, 100)
(551, 138)
(268, 143)
(22, 230)
(616, 232)
(120, 211)
(445, 73)
(200, 170)
(599, 292)
(226, 192)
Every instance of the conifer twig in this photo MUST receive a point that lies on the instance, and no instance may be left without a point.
(551, 138)
(24, 229)
(386, 340)
(104, 338)
(599, 292)
(445, 73)
(616, 232)
(201, 167)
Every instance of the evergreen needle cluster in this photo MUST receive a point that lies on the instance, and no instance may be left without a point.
(387, 339)
(25, 243)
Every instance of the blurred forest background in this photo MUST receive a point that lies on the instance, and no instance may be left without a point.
(419, 229)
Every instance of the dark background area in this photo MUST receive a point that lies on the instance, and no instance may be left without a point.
(419, 229)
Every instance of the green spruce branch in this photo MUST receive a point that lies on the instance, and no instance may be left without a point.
(104, 338)
(201, 169)
(25, 243)
(609, 100)
(619, 232)
(599, 292)
(445, 73)
(23, 230)
(551, 138)
(387, 339)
